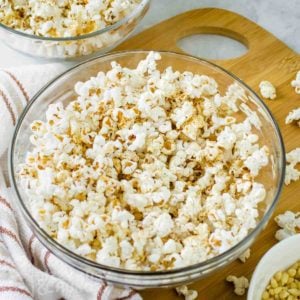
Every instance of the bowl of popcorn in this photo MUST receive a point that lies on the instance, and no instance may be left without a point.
(147, 169)
(68, 29)
(277, 276)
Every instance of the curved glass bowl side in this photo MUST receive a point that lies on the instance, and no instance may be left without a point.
(99, 41)
(61, 89)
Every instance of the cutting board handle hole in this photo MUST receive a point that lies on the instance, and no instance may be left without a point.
(212, 46)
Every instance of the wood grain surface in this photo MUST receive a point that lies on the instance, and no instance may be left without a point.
(267, 59)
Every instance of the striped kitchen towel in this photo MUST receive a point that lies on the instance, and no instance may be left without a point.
(27, 269)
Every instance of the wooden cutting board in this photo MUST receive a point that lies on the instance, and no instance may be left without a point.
(267, 59)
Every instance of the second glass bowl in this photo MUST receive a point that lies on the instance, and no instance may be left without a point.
(62, 89)
(100, 41)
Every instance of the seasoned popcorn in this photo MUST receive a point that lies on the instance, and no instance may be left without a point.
(289, 222)
(296, 83)
(240, 284)
(63, 18)
(291, 172)
(187, 293)
(267, 90)
(293, 116)
(147, 170)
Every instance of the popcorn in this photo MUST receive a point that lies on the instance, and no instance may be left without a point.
(296, 83)
(240, 284)
(63, 19)
(187, 293)
(267, 90)
(145, 168)
(245, 256)
(183, 113)
(289, 223)
(294, 116)
(163, 225)
(291, 173)
(257, 160)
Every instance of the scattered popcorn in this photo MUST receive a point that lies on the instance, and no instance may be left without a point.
(245, 256)
(267, 90)
(289, 222)
(240, 284)
(291, 173)
(147, 169)
(66, 18)
(293, 116)
(186, 292)
(296, 83)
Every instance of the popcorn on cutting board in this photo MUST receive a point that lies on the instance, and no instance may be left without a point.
(267, 90)
(291, 171)
(293, 116)
(296, 83)
(146, 170)
(187, 293)
(289, 222)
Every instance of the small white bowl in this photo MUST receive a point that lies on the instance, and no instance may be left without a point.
(278, 258)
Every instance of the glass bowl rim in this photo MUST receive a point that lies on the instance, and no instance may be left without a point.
(121, 22)
(65, 251)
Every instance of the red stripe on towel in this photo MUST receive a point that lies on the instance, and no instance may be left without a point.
(30, 242)
(101, 291)
(8, 105)
(5, 202)
(14, 289)
(3, 262)
(10, 234)
(19, 84)
(46, 258)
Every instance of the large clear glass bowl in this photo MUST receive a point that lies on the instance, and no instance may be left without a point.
(100, 41)
(61, 89)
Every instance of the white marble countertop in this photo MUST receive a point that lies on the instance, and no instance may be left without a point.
(282, 18)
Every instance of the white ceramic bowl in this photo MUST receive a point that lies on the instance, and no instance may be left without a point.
(278, 258)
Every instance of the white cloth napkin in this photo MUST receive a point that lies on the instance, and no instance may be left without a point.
(27, 269)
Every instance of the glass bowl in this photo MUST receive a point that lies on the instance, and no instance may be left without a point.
(61, 89)
(99, 41)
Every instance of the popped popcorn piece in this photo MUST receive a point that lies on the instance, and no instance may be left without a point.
(293, 116)
(296, 83)
(257, 160)
(291, 173)
(289, 223)
(145, 168)
(187, 293)
(245, 256)
(267, 90)
(240, 284)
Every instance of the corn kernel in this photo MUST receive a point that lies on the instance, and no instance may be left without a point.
(278, 276)
(294, 292)
(292, 272)
(277, 290)
(274, 283)
(265, 295)
(285, 278)
(283, 294)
